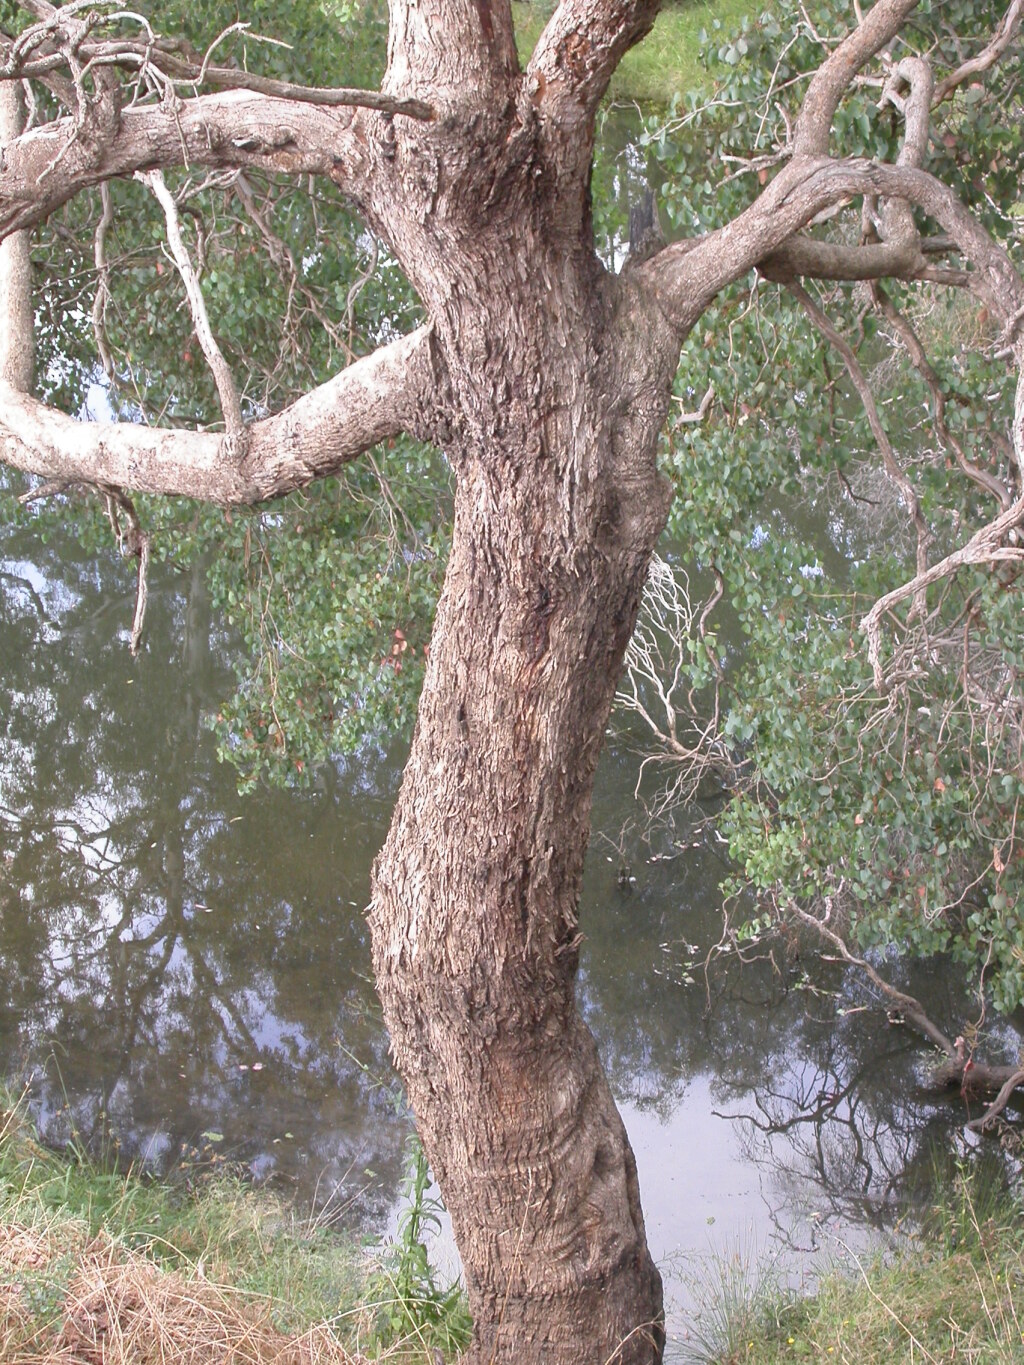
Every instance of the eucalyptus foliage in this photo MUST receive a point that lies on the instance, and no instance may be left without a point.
(897, 809)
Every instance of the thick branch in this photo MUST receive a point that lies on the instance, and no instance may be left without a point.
(451, 53)
(687, 275)
(833, 78)
(15, 274)
(582, 44)
(381, 396)
(807, 258)
(45, 167)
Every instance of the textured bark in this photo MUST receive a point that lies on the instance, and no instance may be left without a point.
(546, 381)
(476, 891)
(370, 400)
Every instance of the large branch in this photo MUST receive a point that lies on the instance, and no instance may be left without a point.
(45, 167)
(576, 54)
(375, 398)
(451, 53)
(579, 49)
(687, 275)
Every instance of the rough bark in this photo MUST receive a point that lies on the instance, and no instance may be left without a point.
(15, 274)
(476, 891)
(547, 383)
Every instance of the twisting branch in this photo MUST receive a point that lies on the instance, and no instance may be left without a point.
(985, 59)
(835, 75)
(701, 411)
(222, 377)
(897, 220)
(892, 466)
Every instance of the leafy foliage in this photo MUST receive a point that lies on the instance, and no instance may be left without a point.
(900, 808)
(295, 288)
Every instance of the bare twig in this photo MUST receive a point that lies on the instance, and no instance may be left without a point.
(230, 406)
(701, 411)
(911, 1008)
(988, 56)
(892, 465)
(99, 306)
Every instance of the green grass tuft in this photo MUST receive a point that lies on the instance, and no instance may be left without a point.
(83, 1245)
(953, 1294)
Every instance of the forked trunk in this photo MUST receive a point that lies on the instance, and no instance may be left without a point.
(475, 930)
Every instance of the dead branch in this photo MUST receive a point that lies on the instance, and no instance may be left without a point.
(132, 541)
(60, 40)
(230, 406)
(959, 1069)
(987, 1120)
(701, 411)
(892, 465)
(910, 1008)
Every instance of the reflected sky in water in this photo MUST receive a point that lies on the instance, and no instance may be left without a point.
(186, 972)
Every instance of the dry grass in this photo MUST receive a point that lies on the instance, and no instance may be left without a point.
(99, 1304)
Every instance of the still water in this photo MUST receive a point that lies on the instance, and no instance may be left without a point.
(185, 972)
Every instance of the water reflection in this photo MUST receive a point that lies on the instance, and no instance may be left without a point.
(184, 968)
(174, 960)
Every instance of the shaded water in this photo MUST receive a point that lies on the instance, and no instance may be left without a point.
(188, 971)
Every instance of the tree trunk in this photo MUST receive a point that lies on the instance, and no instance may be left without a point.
(474, 920)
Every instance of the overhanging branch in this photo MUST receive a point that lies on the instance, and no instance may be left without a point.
(687, 275)
(380, 396)
(47, 166)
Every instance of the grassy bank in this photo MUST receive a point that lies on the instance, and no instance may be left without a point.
(954, 1294)
(668, 61)
(96, 1265)
(100, 1266)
